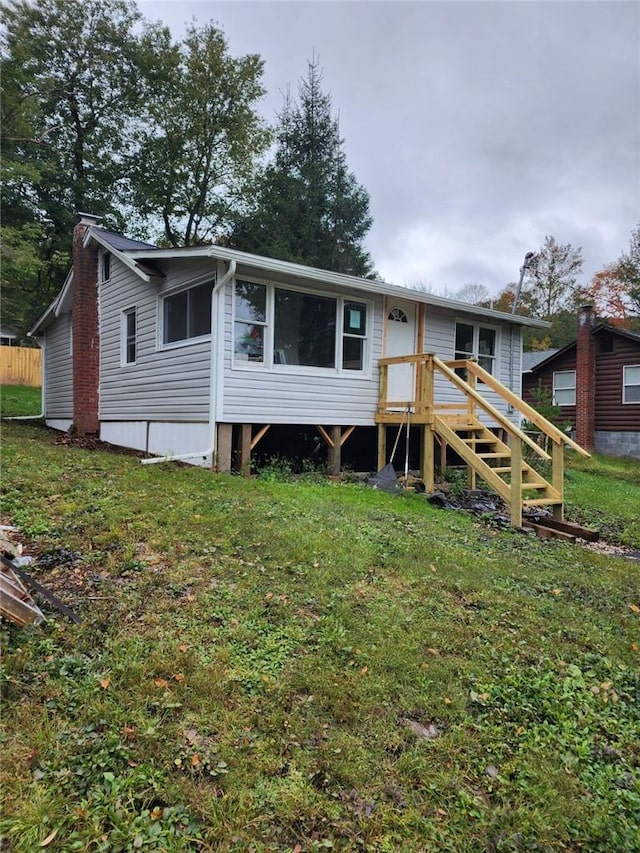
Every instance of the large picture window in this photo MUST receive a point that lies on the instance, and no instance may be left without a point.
(187, 314)
(274, 326)
(478, 342)
(564, 388)
(631, 383)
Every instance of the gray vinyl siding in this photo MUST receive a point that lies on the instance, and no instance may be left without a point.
(164, 384)
(440, 339)
(278, 396)
(58, 370)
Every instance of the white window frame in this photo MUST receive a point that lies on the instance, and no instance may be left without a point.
(269, 335)
(124, 336)
(476, 343)
(626, 385)
(566, 388)
(160, 313)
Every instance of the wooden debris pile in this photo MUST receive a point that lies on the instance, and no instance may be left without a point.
(16, 603)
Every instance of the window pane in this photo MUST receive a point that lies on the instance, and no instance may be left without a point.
(355, 318)
(464, 339)
(486, 341)
(352, 353)
(251, 301)
(632, 394)
(564, 379)
(305, 329)
(565, 397)
(175, 317)
(632, 375)
(248, 342)
(200, 310)
(130, 344)
(486, 362)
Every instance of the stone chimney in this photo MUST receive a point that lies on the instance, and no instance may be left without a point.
(86, 333)
(585, 379)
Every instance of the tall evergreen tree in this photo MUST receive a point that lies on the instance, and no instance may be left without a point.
(309, 208)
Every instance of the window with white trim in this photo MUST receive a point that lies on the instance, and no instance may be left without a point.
(106, 265)
(564, 388)
(631, 383)
(477, 342)
(129, 336)
(187, 314)
(275, 326)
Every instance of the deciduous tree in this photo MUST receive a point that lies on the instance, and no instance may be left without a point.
(551, 281)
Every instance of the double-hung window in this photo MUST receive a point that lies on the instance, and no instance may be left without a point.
(275, 326)
(477, 342)
(187, 314)
(631, 383)
(564, 388)
(129, 336)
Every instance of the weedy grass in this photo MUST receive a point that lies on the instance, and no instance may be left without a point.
(252, 652)
(20, 401)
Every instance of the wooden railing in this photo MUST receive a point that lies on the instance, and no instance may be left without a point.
(445, 418)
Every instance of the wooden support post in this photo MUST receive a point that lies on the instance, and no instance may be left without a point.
(428, 458)
(443, 457)
(382, 446)
(223, 452)
(384, 384)
(516, 481)
(471, 411)
(557, 478)
(334, 451)
(257, 438)
(245, 450)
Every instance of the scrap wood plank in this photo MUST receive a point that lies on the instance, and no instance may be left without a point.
(51, 598)
(16, 604)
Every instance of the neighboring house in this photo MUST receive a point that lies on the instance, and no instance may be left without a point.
(596, 383)
(194, 351)
(7, 337)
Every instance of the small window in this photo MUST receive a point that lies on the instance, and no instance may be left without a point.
(188, 314)
(398, 315)
(304, 329)
(106, 266)
(564, 388)
(250, 322)
(354, 333)
(605, 343)
(478, 342)
(129, 336)
(631, 383)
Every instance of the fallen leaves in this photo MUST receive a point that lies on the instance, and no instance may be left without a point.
(104, 683)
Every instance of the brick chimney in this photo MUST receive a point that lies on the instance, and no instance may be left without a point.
(585, 379)
(86, 334)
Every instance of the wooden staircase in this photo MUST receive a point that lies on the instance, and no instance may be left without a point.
(489, 442)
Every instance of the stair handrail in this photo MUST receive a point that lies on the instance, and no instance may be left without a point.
(549, 429)
(503, 420)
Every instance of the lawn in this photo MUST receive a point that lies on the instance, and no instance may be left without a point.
(20, 401)
(303, 666)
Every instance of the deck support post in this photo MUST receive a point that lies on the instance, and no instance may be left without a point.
(516, 481)
(557, 478)
(382, 446)
(428, 458)
(334, 451)
(244, 462)
(223, 452)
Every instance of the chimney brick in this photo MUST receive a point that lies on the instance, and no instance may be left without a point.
(585, 379)
(86, 334)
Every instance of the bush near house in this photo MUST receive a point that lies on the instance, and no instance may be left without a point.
(269, 666)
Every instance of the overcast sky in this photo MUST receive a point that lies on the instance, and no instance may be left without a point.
(476, 127)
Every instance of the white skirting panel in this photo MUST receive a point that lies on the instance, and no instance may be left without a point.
(161, 438)
(125, 433)
(59, 423)
(173, 439)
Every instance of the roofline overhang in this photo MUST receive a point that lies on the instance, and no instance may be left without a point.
(93, 233)
(54, 309)
(274, 265)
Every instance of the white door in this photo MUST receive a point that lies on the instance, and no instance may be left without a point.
(400, 340)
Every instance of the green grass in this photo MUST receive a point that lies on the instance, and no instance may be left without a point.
(251, 651)
(19, 400)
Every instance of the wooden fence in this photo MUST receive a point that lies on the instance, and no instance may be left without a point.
(21, 366)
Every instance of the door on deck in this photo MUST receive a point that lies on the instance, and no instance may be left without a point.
(400, 339)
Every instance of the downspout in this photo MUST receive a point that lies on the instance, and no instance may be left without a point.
(213, 364)
(42, 393)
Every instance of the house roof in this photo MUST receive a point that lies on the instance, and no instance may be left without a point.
(123, 244)
(300, 271)
(551, 355)
(532, 359)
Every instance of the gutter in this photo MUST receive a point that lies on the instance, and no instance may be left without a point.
(213, 367)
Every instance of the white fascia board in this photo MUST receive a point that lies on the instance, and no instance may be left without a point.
(94, 234)
(327, 277)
